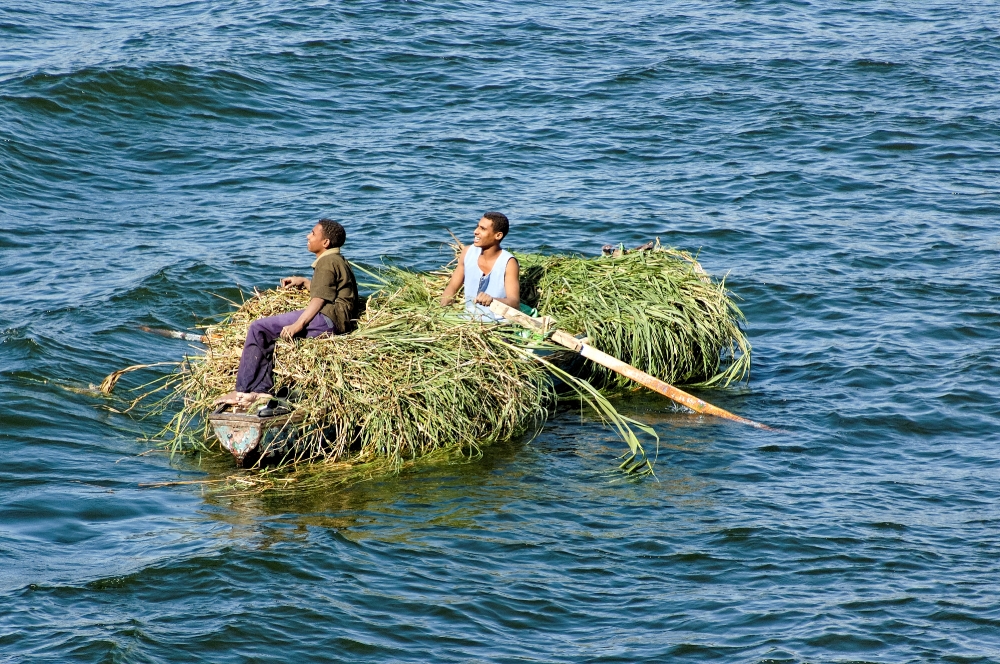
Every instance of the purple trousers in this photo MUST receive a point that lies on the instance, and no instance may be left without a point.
(257, 361)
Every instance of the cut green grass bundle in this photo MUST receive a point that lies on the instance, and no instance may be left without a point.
(411, 381)
(656, 310)
(401, 386)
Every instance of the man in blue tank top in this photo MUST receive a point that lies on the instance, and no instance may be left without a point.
(487, 271)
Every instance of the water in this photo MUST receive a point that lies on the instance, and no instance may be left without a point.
(837, 160)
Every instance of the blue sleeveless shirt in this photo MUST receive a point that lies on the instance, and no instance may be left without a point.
(476, 282)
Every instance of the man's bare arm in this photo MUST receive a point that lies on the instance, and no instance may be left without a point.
(457, 277)
(315, 304)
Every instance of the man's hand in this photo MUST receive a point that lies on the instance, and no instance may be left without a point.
(484, 299)
(447, 301)
(289, 331)
(294, 282)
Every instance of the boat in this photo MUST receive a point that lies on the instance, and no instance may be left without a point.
(252, 439)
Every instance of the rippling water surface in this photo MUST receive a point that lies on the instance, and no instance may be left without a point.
(838, 161)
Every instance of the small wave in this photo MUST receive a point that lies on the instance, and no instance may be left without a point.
(888, 525)
(783, 449)
(37, 104)
(164, 85)
(900, 147)
(635, 75)
(875, 64)
(15, 29)
(327, 43)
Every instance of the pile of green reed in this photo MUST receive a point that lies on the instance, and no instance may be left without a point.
(413, 380)
(656, 310)
(418, 381)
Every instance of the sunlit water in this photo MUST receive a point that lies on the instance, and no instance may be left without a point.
(838, 161)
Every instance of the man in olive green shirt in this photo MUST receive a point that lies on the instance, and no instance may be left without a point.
(333, 304)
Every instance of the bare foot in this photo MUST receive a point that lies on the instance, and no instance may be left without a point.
(231, 398)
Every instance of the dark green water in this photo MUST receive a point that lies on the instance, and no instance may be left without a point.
(837, 160)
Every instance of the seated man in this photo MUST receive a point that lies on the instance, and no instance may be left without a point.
(333, 304)
(487, 271)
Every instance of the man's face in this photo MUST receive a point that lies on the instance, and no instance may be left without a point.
(316, 241)
(484, 235)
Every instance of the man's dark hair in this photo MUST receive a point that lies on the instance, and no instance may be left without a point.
(500, 222)
(333, 232)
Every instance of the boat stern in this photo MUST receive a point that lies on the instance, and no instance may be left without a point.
(242, 434)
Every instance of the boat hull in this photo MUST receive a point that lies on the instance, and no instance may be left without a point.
(248, 437)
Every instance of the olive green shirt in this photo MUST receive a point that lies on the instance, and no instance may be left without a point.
(333, 280)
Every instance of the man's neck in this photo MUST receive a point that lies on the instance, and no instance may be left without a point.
(492, 251)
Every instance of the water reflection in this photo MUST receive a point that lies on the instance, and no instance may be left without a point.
(567, 469)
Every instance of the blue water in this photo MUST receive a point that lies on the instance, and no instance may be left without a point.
(837, 161)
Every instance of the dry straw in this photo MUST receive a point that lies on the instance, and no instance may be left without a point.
(416, 381)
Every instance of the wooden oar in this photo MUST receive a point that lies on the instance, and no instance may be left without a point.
(172, 334)
(569, 341)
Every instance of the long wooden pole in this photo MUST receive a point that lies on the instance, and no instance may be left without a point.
(173, 334)
(569, 341)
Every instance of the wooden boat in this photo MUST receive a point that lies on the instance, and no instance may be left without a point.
(250, 438)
